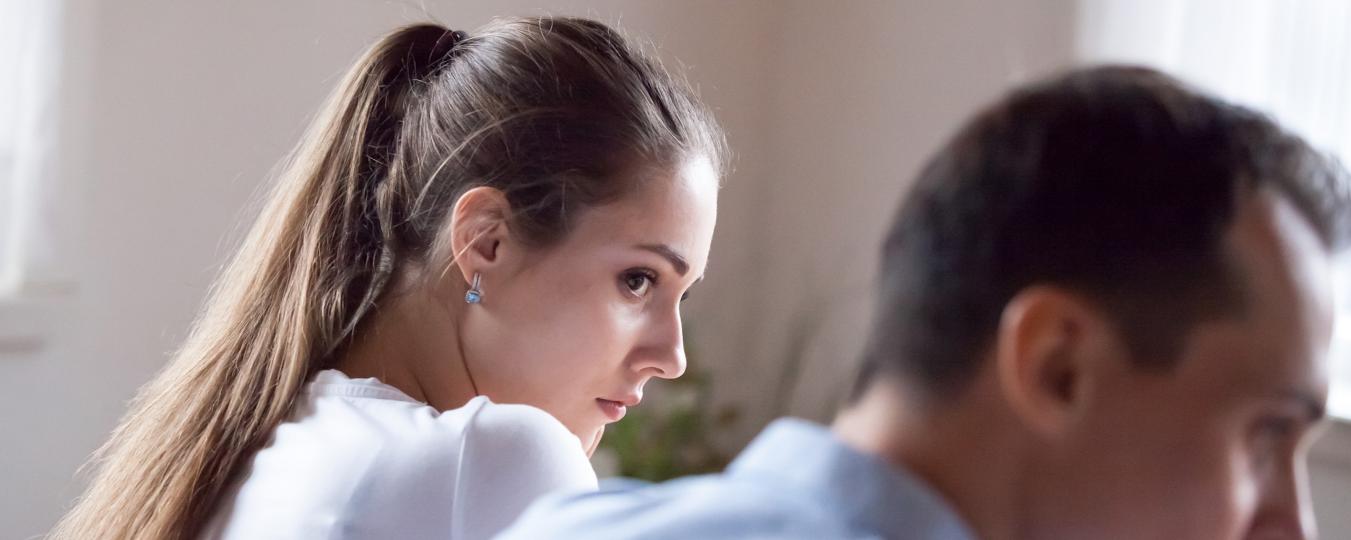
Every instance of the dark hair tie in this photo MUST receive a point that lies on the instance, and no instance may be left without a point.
(444, 45)
(438, 53)
(447, 43)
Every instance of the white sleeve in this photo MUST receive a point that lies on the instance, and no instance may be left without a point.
(512, 455)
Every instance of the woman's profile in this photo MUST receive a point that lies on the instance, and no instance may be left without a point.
(473, 262)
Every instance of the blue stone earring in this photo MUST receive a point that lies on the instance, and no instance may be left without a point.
(474, 295)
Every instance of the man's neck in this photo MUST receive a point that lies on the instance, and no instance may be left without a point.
(960, 450)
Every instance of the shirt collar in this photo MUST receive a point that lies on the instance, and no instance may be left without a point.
(331, 382)
(806, 457)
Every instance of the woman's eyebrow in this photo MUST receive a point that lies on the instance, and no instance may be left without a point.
(677, 261)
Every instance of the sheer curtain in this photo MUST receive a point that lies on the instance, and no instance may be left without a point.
(30, 59)
(1290, 59)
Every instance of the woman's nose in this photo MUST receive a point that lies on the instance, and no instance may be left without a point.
(663, 354)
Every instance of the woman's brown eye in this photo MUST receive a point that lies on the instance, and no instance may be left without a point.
(638, 283)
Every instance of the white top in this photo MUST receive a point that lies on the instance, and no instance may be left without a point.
(360, 459)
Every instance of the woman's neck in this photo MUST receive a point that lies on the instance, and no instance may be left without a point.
(411, 342)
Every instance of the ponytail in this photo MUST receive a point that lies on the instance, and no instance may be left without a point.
(315, 261)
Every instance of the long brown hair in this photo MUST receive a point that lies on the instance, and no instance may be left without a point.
(551, 111)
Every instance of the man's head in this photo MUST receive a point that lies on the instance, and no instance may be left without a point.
(1136, 276)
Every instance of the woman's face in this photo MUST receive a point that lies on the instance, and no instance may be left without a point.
(579, 327)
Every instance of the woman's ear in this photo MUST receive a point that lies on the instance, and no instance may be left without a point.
(1047, 356)
(478, 230)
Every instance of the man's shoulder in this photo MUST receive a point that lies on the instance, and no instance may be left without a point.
(712, 506)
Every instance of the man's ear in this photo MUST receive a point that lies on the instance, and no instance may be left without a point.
(1046, 353)
(478, 231)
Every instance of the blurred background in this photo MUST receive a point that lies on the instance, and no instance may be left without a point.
(135, 138)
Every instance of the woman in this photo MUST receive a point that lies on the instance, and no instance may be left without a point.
(474, 262)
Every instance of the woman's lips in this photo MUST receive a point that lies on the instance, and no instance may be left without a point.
(613, 410)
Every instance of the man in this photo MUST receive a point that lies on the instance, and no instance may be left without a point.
(1103, 313)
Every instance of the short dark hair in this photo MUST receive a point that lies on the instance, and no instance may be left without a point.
(1118, 183)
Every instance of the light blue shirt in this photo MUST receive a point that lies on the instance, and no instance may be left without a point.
(796, 480)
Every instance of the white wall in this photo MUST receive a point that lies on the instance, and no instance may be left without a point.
(864, 91)
(181, 108)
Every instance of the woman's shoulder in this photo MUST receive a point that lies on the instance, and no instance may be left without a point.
(375, 461)
(498, 458)
(479, 429)
(520, 426)
(521, 440)
(480, 423)
(383, 416)
(479, 435)
(512, 455)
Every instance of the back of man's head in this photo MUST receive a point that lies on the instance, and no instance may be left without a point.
(1117, 183)
(1122, 255)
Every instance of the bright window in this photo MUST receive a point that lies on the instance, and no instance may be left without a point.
(31, 209)
(30, 55)
(1289, 59)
